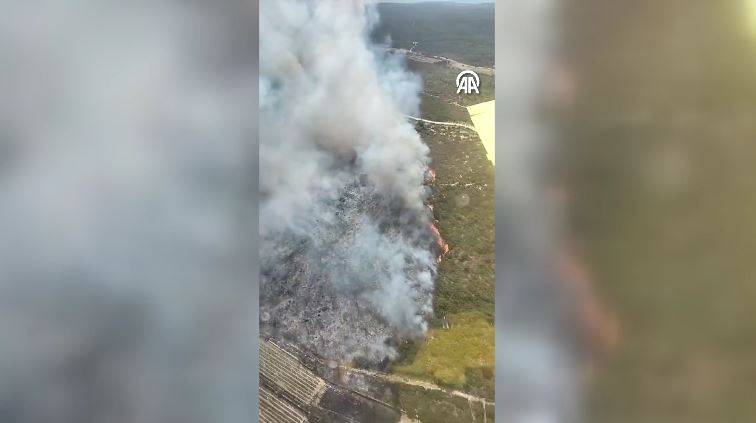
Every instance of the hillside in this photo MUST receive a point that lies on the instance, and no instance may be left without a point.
(463, 32)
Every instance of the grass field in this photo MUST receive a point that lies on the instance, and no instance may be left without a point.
(452, 356)
(440, 102)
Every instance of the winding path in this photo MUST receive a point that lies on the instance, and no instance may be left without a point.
(422, 57)
(416, 382)
(460, 124)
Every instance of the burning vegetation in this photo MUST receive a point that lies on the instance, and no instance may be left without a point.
(430, 176)
(440, 245)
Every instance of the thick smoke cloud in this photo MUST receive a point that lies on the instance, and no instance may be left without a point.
(346, 258)
(126, 163)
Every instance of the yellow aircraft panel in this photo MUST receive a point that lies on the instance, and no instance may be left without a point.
(751, 15)
(483, 116)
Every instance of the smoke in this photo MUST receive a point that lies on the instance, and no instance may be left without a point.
(536, 361)
(346, 254)
(126, 164)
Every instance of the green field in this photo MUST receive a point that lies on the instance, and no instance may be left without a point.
(440, 102)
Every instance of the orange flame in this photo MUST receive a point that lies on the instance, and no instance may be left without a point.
(430, 176)
(443, 247)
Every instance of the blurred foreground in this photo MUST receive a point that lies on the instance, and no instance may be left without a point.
(657, 104)
(126, 219)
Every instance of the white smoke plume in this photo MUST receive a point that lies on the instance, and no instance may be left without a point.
(127, 156)
(346, 254)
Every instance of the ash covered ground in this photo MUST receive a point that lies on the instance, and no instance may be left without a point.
(356, 282)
